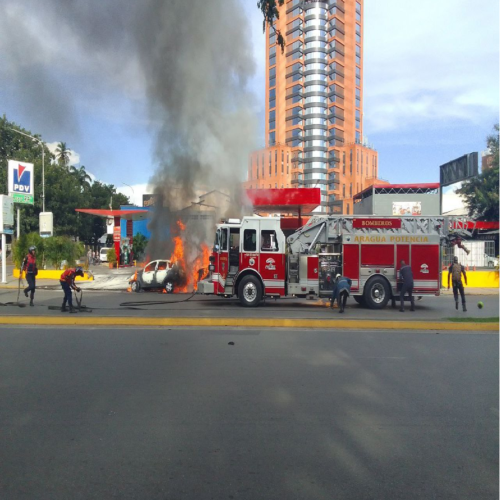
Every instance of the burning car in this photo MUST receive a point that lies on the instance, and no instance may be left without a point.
(159, 274)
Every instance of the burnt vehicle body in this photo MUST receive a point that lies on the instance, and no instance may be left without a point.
(158, 274)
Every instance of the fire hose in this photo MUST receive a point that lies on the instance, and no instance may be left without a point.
(17, 303)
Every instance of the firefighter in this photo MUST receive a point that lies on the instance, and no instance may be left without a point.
(406, 276)
(455, 272)
(341, 290)
(67, 284)
(29, 266)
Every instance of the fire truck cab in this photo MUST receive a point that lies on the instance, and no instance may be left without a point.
(252, 258)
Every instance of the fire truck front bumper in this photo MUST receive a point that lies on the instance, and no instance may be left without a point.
(205, 287)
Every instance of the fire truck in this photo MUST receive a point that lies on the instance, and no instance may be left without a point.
(253, 259)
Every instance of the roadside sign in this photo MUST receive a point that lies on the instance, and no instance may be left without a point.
(6, 214)
(20, 182)
(117, 234)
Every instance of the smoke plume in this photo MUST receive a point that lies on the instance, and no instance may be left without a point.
(193, 61)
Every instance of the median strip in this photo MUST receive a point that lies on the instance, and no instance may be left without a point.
(247, 322)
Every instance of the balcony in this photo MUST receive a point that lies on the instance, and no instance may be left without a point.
(336, 90)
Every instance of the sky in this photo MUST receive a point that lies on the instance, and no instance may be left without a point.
(431, 88)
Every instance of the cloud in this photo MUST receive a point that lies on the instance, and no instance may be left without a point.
(135, 192)
(428, 63)
(74, 157)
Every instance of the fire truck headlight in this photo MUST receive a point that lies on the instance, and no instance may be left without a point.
(211, 267)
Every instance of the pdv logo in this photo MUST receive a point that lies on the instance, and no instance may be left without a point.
(22, 180)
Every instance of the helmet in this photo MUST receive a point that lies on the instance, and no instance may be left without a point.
(337, 277)
(32, 248)
(79, 271)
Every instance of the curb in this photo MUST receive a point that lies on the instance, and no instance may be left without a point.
(248, 322)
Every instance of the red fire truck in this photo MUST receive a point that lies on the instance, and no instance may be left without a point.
(252, 259)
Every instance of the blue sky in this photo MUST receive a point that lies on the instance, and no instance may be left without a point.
(431, 79)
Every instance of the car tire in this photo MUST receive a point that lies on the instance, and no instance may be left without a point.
(377, 293)
(136, 286)
(169, 287)
(359, 299)
(250, 291)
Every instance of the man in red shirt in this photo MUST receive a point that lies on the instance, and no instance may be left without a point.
(29, 267)
(67, 284)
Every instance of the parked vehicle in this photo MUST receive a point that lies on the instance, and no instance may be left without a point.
(158, 274)
(103, 254)
(491, 261)
(252, 259)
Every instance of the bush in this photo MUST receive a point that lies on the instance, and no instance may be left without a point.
(20, 248)
(139, 246)
(111, 256)
(62, 248)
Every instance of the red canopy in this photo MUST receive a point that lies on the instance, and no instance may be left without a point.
(297, 200)
(123, 214)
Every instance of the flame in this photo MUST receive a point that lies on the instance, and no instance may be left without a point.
(201, 262)
(189, 267)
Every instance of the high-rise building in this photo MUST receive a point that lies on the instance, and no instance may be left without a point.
(314, 104)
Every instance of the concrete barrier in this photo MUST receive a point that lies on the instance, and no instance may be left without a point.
(53, 274)
(477, 279)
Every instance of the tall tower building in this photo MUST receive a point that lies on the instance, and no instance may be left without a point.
(314, 104)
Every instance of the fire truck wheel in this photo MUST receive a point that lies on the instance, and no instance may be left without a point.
(169, 287)
(250, 291)
(359, 299)
(377, 293)
(136, 286)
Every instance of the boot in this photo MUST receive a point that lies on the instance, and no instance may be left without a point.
(456, 305)
(31, 303)
(401, 310)
(25, 293)
(63, 308)
(341, 310)
(72, 310)
(331, 304)
(465, 309)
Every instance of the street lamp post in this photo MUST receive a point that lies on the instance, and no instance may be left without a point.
(43, 163)
(133, 192)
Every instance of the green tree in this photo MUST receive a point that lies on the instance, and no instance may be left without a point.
(62, 154)
(66, 188)
(270, 11)
(62, 248)
(481, 193)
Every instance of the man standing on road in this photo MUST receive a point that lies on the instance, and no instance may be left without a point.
(341, 290)
(455, 272)
(67, 284)
(406, 277)
(29, 266)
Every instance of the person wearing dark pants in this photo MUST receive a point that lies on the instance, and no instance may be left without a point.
(29, 267)
(341, 290)
(455, 272)
(406, 277)
(68, 284)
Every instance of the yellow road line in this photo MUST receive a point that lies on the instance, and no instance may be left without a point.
(247, 322)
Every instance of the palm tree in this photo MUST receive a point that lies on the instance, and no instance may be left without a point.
(62, 154)
(84, 179)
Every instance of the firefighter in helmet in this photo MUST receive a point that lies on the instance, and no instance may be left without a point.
(29, 267)
(67, 284)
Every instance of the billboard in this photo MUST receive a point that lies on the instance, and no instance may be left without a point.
(20, 182)
(149, 200)
(406, 208)
(459, 169)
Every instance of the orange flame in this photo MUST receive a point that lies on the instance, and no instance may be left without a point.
(201, 262)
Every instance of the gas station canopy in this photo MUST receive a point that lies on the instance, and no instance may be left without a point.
(290, 200)
(134, 215)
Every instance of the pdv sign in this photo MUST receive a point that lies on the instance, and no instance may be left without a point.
(21, 181)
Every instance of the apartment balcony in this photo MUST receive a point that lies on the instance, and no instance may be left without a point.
(335, 112)
(291, 72)
(314, 15)
(336, 90)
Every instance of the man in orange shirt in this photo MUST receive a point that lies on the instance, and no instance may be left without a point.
(67, 284)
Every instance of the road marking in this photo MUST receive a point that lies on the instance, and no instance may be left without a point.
(248, 322)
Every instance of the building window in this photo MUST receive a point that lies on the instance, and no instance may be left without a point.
(272, 138)
(276, 162)
(272, 82)
(343, 190)
(358, 38)
(347, 209)
(272, 61)
(343, 163)
(270, 169)
(282, 162)
(350, 162)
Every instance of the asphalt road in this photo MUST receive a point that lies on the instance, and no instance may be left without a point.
(177, 305)
(175, 413)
